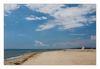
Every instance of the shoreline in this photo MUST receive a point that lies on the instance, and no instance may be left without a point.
(19, 59)
(42, 58)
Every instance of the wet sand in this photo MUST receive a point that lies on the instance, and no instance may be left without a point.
(63, 57)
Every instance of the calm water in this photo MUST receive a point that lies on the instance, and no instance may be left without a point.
(17, 52)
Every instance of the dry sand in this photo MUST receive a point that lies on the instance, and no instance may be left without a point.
(63, 58)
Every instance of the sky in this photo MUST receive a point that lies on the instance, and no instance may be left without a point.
(49, 26)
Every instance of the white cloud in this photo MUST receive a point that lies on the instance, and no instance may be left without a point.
(65, 18)
(75, 43)
(45, 8)
(93, 37)
(9, 7)
(32, 17)
(39, 43)
(45, 26)
(43, 17)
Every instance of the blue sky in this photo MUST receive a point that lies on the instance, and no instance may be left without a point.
(49, 26)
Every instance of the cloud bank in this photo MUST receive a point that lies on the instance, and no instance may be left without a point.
(8, 8)
(39, 43)
(65, 17)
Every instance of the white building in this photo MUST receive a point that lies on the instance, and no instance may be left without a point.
(83, 47)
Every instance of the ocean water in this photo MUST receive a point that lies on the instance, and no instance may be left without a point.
(8, 53)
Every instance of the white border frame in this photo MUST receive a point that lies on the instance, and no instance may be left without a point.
(2, 2)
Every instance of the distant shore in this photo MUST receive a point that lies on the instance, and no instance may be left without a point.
(60, 57)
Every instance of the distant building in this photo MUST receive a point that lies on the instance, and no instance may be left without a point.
(83, 47)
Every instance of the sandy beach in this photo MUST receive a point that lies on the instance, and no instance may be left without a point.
(63, 57)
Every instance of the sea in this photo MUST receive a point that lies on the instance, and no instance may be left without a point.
(9, 53)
